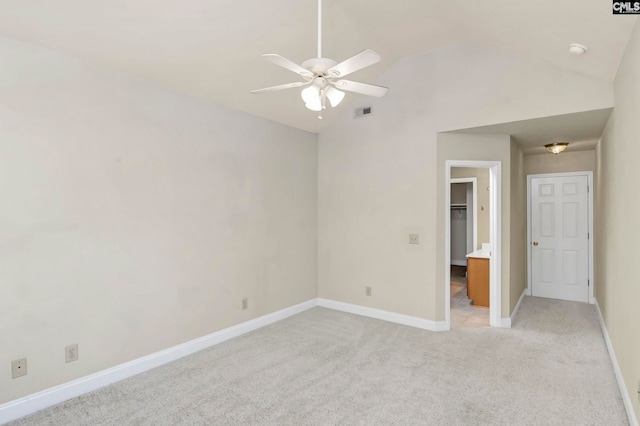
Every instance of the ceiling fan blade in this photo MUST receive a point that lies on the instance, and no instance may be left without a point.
(363, 59)
(362, 88)
(282, 86)
(290, 65)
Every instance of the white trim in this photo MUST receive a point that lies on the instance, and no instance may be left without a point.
(508, 322)
(590, 196)
(495, 227)
(529, 279)
(495, 261)
(458, 262)
(384, 315)
(29, 404)
(592, 238)
(626, 398)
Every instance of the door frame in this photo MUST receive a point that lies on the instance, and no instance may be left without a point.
(589, 175)
(474, 185)
(495, 235)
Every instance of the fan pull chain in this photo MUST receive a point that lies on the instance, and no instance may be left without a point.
(322, 105)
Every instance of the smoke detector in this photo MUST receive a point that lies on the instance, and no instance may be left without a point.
(577, 49)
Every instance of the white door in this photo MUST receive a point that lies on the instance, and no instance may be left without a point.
(559, 238)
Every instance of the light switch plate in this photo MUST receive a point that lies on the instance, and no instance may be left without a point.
(71, 353)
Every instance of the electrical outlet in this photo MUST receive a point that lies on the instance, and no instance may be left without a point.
(367, 291)
(245, 303)
(18, 368)
(414, 239)
(71, 353)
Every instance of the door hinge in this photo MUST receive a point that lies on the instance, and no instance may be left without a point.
(588, 235)
(587, 188)
(588, 283)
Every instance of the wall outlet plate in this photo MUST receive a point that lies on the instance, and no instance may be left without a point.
(71, 353)
(367, 291)
(18, 368)
(245, 303)
(414, 239)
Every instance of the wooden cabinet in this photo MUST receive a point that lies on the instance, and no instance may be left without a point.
(478, 280)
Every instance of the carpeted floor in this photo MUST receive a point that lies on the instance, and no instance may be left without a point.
(324, 367)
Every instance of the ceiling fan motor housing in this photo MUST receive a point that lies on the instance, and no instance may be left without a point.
(319, 66)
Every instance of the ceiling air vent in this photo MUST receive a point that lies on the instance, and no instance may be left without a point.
(362, 112)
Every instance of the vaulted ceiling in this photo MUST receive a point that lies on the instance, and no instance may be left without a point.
(212, 49)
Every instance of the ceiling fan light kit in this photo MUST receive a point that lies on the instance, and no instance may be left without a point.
(320, 75)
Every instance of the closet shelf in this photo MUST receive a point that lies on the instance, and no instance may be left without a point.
(458, 206)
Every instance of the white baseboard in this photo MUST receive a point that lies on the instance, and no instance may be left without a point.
(459, 262)
(507, 322)
(21, 407)
(384, 315)
(626, 398)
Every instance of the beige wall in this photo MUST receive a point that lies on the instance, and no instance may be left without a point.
(458, 193)
(135, 218)
(482, 176)
(518, 232)
(617, 227)
(379, 176)
(572, 161)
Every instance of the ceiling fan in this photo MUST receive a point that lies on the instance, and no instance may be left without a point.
(323, 76)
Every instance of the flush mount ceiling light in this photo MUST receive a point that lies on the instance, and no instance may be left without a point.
(557, 147)
(577, 49)
(321, 75)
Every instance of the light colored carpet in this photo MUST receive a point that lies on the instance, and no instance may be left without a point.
(323, 367)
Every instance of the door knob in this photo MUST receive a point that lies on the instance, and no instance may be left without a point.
(535, 243)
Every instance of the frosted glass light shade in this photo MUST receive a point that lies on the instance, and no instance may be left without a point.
(310, 94)
(556, 148)
(314, 105)
(335, 96)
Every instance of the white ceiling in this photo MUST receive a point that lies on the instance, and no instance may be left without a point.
(212, 48)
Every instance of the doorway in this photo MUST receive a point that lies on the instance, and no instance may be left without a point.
(560, 230)
(469, 303)
(494, 249)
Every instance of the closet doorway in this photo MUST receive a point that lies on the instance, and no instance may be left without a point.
(464, 218)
